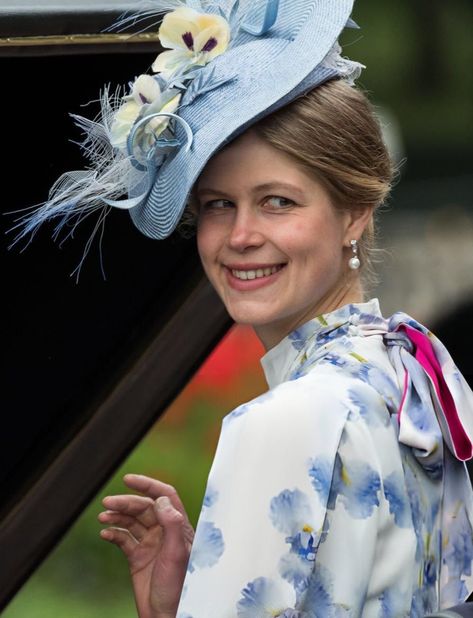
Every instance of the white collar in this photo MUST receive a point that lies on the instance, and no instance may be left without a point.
(277, 362)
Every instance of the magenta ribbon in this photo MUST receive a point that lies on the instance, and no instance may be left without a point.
(455, 435)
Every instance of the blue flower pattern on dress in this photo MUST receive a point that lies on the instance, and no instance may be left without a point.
(319, 599)
(260, 598)
(371, 414)
(207, 547)
(458, 554)
(391, 602)
(211, 497)
(309, 476)
(243, 409)
(291, 514)
(395, 493)
(320, 473)
(382, 383)
(356, 485)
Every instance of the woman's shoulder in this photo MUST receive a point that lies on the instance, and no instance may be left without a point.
(358, 370)
(321, 398)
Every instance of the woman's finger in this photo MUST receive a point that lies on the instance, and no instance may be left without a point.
(140, 507)
(175, 548)
(112, 518)
(154, 489)
(121, 538)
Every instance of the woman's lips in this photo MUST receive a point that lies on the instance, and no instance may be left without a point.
(253, 276)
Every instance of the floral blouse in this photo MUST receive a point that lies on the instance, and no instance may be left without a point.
(335, 493)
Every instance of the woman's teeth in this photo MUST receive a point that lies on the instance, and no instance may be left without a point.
(255, 274)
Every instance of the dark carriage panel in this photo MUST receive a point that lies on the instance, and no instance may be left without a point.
(72, 27)
(89, 366)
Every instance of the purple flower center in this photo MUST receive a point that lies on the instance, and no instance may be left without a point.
(144, 100)
(211, 44)
(188, 40)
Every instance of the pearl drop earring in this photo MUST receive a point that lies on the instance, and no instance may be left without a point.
(354, 261)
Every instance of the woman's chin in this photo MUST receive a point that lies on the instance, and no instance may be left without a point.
(261, 318)
(251, 318)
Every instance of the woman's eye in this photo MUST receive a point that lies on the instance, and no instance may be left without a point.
(217, 204)
(279, 202)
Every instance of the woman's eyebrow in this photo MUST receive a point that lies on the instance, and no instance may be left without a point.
(266, 186)
(214, 191)
(271, 186)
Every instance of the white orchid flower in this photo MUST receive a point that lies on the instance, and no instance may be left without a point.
(145, 98)
(193, 38)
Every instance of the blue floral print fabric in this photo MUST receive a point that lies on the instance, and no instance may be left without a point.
(322, 502)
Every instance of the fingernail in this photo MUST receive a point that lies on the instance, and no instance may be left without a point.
(163, 503)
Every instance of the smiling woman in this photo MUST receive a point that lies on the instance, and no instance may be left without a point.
(319, 478)
(295, 234)
(274, 205)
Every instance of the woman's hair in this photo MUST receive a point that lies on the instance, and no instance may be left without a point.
(333, 133)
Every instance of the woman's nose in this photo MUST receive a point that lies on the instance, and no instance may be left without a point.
(246, 230)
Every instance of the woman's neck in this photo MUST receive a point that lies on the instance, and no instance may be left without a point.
(271, 334)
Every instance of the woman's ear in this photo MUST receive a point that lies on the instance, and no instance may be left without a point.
(356, 220)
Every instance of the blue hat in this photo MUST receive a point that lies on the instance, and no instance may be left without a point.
(227, 65)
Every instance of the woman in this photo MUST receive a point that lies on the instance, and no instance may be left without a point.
(315, 506)
(342, 490)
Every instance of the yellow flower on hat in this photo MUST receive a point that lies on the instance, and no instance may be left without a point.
(145, 98)
(193, 38)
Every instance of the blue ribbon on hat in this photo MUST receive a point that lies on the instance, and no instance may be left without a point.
(149, 166)
(269, 18)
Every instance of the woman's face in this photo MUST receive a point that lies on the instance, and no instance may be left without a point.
(270, 240)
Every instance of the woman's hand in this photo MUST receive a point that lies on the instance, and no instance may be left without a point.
(155, 535)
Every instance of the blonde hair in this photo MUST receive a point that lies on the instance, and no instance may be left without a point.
(333, 133)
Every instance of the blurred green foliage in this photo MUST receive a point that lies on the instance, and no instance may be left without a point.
(87, 577)
(418, 56)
